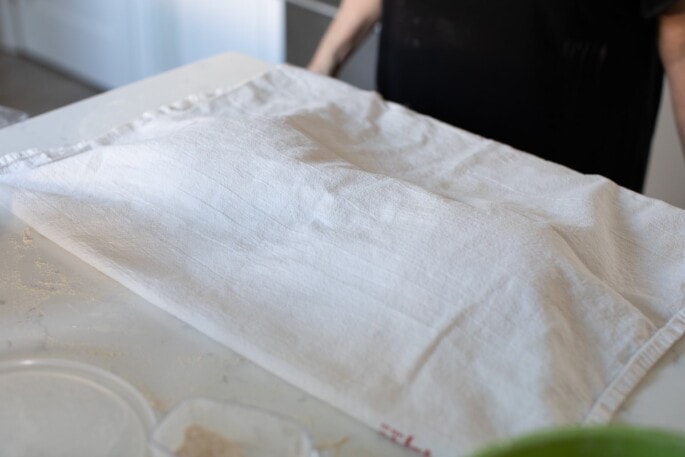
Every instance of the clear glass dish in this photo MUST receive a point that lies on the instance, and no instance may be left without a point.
(63, 408)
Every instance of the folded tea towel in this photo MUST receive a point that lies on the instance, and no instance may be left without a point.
(439, 286)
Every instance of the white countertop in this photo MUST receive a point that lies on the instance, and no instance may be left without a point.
(53, 305)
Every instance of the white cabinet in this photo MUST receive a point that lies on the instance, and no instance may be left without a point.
(95, 40)
(177, 32)
(208, 27)
(112, 42)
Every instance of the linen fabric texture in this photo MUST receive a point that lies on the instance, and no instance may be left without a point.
(443, 288)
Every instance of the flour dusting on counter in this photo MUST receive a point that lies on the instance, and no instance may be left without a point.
(27, 238)
(202, 442)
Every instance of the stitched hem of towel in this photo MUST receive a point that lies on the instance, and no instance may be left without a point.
(624, 384)
(27, 159)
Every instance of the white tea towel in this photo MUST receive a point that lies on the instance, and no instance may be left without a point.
(441, 287)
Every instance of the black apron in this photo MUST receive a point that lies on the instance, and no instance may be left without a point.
(577, 82)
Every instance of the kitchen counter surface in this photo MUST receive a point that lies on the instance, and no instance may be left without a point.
(52, 305)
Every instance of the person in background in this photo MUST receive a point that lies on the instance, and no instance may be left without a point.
(577, 82)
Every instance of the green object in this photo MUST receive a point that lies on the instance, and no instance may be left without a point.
(603, 441)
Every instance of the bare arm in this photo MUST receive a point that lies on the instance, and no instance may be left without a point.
(672, 51)
(350, 27)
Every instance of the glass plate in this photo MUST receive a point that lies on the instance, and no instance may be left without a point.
(62, 408)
